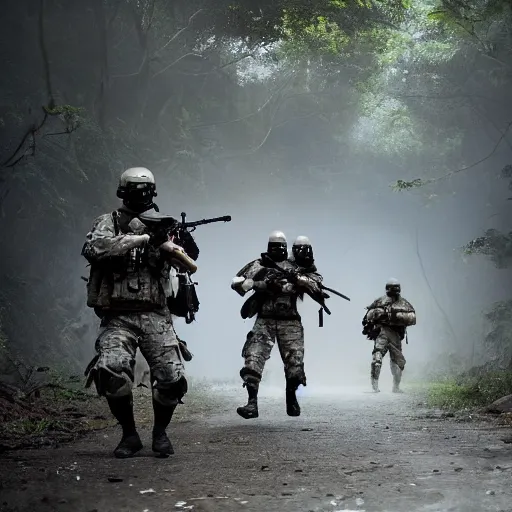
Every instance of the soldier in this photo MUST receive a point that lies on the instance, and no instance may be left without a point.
(386, 323)
(302, 255)
(128, 289)
(274, 303)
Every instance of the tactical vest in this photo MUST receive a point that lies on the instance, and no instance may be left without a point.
(126, 283)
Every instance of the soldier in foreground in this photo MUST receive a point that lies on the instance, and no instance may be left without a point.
(276, 285)
(386, 322)
(127, 289)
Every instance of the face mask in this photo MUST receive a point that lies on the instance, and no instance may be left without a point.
(138, 197)
(393, 291)
(303, 255)
(278, 251)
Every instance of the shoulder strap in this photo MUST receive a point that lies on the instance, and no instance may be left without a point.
(115, 220)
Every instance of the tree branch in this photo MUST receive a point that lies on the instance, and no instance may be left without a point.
(163, 70)
(497, 145)
(446, 97)
(175, 36)
(219, 68)
(243, 118)
(424, 274)
(44, 54)
(31, 132)
(136, 72)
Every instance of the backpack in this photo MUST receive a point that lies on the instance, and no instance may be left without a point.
(182, 300)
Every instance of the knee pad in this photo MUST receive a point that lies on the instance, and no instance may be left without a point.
(169, 394)
(112, 385)
(250, 377)
(296, 376)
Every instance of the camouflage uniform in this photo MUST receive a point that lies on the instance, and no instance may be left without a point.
(127, 289)
(118, 339)
(275, 304)
(390, 318)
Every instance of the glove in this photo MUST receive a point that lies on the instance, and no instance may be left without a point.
(383, 317)
(302, 281)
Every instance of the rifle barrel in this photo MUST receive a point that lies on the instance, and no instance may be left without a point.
(335, 292)
(225, 218)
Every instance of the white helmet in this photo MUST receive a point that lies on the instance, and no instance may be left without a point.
(137, 189)
(393, 287)
(302, 251)
(136, 175)
(277, 237)
(302, 240)
(277, 247)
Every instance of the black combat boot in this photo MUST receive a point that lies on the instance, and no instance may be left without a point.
(397, 377)
(163, 414)
(375, 373)
(292, 405)
(122, 409)
(250, 410)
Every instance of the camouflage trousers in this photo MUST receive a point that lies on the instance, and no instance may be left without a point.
(260, 341)
(112, 370)
(388, 340)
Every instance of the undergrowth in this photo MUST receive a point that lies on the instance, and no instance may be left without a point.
(470, 392)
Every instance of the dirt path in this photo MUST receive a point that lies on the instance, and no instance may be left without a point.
(348, 451)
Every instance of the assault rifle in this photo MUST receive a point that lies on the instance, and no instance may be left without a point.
(164, 226)
(183, 302)
(292, 276)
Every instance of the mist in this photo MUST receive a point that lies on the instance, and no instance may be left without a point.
(380, 130)
(283, 139)
(361, 238)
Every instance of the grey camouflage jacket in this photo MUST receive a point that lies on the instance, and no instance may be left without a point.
(274, 298)
(394, 313)
(127, 276)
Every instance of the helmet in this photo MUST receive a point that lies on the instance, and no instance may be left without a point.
(393, 288)
(303, 251)
(137, 189)
(277, 236)
(277, 246)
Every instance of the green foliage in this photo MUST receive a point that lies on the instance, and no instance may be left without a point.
(64, 110)
(495, 245)
(321, 36)
(402, 185)
(471, 392)
(321, 23)
(33, 427)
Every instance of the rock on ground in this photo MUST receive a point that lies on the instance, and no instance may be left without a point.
(500, 406)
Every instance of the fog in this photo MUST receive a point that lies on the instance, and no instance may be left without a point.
(313, 173)
(361, 237)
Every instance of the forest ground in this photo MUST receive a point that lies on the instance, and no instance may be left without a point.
(349, 450)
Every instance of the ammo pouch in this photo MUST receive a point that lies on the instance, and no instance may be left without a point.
(94, 285)
(185, 352)
(186, 303)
